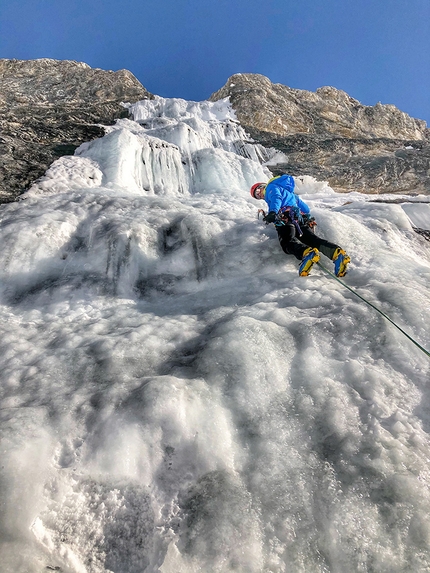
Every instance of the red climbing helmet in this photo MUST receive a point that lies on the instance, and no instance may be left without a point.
(255, 187)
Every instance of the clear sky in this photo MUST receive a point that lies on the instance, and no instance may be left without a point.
(375, 50)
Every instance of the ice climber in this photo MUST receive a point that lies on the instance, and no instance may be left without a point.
(295, 225)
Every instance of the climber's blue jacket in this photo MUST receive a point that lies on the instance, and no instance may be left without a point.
(280, 195)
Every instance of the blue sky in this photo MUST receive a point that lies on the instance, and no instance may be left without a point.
(375, 50)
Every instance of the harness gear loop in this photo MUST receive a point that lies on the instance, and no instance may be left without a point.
(291, 215)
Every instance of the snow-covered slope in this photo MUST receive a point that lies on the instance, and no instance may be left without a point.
(175, 398)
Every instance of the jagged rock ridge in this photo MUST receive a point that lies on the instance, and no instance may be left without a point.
(332, 136)
(48, 108)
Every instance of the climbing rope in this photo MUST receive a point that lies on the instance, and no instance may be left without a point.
(376, 308)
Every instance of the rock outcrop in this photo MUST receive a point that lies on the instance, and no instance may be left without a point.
(332, 136)
(48, 108)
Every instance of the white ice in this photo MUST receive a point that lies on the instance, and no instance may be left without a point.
(175, 398)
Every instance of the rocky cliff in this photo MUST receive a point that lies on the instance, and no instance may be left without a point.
(332, 136)
(48, 108)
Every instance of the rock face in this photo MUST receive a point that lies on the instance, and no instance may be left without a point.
(48, 108)
(331, 136)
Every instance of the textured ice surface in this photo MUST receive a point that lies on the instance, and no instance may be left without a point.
(175, 398)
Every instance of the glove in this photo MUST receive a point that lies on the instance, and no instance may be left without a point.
(308, 220)
(270, 217)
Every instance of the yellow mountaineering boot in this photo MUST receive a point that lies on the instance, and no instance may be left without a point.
(341, 260)
(310, 257)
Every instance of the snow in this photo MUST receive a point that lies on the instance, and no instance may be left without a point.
(175, 398)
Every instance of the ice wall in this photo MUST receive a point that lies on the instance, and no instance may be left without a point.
(174, 398)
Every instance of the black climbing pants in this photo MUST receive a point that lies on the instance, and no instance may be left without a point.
(292, 244)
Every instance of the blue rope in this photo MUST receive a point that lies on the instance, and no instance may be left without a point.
(376, 308)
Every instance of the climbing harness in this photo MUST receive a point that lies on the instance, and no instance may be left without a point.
(290, 215)
(374, 307)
